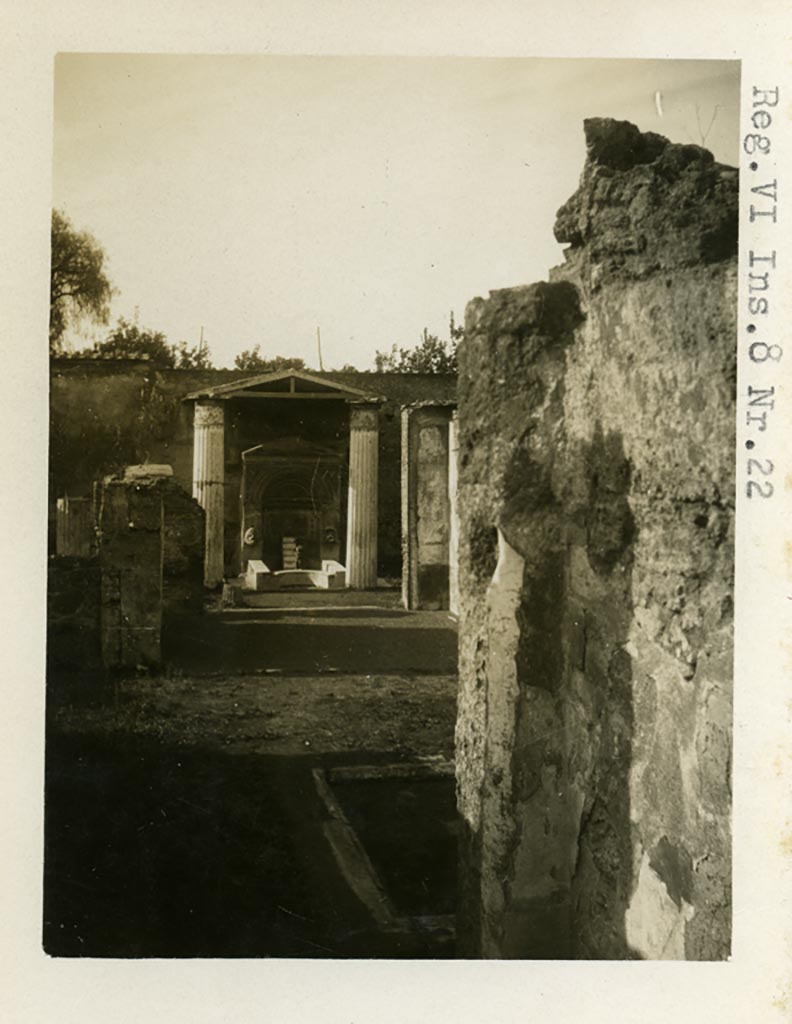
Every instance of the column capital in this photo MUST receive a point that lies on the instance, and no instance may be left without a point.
(209, 413)
(364, 415)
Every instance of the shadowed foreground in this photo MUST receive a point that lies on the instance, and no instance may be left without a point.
(183, 819)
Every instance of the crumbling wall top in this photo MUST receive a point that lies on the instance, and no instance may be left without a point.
(645, 204)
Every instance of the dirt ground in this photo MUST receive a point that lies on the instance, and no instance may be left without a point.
(183, 816)
(310, 633)
(182, 812)
(405, 716)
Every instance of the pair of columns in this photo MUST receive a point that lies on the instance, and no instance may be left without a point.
(209, 486)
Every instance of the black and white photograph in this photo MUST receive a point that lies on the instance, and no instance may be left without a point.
(397, 511)
(392, 506)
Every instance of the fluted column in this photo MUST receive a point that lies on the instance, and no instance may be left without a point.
(209, 482)
(361, 547)
(453, 533)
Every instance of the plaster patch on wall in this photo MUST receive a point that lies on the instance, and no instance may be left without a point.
(503, 691)
(654, 924)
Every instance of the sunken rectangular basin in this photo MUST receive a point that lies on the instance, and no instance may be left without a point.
(393, 829)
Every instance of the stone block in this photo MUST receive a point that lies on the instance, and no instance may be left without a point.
(147, 472)
(332, 576)
(256, 575)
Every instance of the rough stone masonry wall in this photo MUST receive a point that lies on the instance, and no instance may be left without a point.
(130, 519)
(184, 528)
(596, 499)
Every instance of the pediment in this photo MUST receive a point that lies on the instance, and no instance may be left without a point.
(290, 384)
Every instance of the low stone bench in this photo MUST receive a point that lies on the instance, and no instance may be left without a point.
(332, 576)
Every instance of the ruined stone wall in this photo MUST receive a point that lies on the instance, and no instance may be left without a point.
(596, 501)
(183, 526)
(110, 609)
(130, 518)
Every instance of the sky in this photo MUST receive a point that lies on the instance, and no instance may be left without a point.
(259, 198)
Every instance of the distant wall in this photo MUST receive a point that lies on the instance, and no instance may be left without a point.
(75, 533)
(105, 415)
(596, 502)
(108, 414)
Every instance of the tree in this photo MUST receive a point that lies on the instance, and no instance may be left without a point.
(252, 359)
(432, 355)
(193, 357)
(128, 341)
(79, 286)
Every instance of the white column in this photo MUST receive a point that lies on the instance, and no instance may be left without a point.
(209, 483)
(361, 547)
(453, 534)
